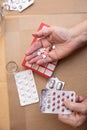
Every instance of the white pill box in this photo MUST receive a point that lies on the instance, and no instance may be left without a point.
(18, 5)
(26, 87)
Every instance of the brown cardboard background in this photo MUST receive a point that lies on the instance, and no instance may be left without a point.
(72, 70)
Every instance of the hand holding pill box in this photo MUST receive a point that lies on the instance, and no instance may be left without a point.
(52, 101)
(45, 70)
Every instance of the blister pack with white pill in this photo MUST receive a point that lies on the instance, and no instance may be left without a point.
(52, 101)
(26, 87)
(18, 5)
(55, 83)
(47, 69)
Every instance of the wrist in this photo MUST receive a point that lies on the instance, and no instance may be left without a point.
(79, 38)
(79, 32)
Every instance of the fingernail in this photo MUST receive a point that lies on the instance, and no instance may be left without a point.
(34, 34)
(66, 104)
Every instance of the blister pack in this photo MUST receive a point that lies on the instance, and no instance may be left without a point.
(26, 87)
(55, 83)
(52, 101)
(18, 5)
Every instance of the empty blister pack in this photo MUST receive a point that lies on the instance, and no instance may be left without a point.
(26, 87)
(47, 69)
(18, 5)
(52, 101)
(55, 83)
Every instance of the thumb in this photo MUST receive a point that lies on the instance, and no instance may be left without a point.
(76, 107)
(43, 33)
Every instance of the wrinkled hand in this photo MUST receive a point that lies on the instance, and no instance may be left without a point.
(61, 37)
(79, 115)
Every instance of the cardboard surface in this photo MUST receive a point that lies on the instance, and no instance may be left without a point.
(55, 7)
(72, 70)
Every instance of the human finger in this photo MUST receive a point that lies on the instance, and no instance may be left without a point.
(43, 32)
(67, 119)
(53, 55)
(76, 107)
(34, 47)
(35, 59)
(73, 119)
(79, 98)
(44, 60)
(45, 43)
(31, 56)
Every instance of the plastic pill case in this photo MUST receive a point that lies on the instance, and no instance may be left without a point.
(44, 70)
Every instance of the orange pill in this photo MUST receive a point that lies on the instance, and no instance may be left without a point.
(58, 101)
(53, 104)
(54, 98)
(63, 110)
(63, 99)
(63, 104)
(72, 94)
(54, 93)
(58, 107)
(58, 96)
(53, 109)
(68, 97)
(71, 100)
(63, 94)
